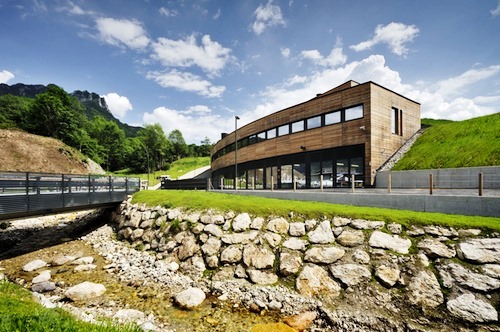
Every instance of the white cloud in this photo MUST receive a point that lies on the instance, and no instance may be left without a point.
(118, 105)
(130, 33)
(217, 14)
(496, 12)
(188, 123)
(184, 81)
(168, 12)
(5, 76)
(267, 16)
(395, 35)
(73, 9)
(285, 52)
(456, 85)
(209, 56)
(335, 58)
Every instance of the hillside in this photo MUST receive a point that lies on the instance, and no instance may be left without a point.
(23, 152)
(447, 144)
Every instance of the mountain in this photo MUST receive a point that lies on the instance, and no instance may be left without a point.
(93, 104)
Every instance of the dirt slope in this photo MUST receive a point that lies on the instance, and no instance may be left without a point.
(23, 152)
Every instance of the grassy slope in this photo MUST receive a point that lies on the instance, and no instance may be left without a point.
(264, 207)
(474, 142)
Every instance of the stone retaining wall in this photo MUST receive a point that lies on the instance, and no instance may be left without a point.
(418, 276)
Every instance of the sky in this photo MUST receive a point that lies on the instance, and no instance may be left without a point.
(195, 65)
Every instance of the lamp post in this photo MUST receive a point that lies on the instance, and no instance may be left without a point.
(236, 118)
(147, 156)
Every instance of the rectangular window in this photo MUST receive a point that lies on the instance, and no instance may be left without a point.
(271, 133)
(395, 121)
(252, 139)
(261, 136)
(314, 122)
(297, 126)
(332, 118)
(355, 112)
(284, 130)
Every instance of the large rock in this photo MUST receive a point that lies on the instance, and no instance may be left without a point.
(134, 220)
(231, 254)
(259, 258)
(387, 275)
(324, 255)
(302, 321)
(190, 298)
(480, 251)
(297, 229)
(273, 239)
(473, 310)
(42, 277)
(351, 238)
(469, 279)
(323, 234)
(278, 226)
(34, 265)
(44, 286)
(261, 277)
(85, 291)
(436, 249)
(424, 290)
(211, 246)
(315, 281)
(213, 229)
(350, 274)
(392, 242)
(242, 238)
(366, 224)
(188, 248)
(290, 262)
(294, 243)
(242, 222)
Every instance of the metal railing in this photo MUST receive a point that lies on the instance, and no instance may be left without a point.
(40, 193)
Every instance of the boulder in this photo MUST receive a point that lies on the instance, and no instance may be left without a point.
(257, 223)
(351, 238)
(242, 238)
(395, 228)
(387, 275)
(315, 281)
(350, 274)
(128, 315)
(383, 240)
(297, 229)
(242, 222)
(190, 298)
(468, 279)
(188, 248)
(85, 291)
(273, 239)
(84, 267)
(34, 265)
(491, 270)
(278, 226)
(213, 229)
(44, 286)
(290, 262)
(323, 234)
(473, 310)
(436, 249)
(424, 290)
(42, 277)
(361, 257)
(259, 258)
(231, 254)
(211, 246)
(480, 251)
(324, 255)
(440, 231)
(301, 321)
(294, 243)
(83, 260)
(262, 277)
(366, 224)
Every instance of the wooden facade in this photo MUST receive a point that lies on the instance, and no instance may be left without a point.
(387, 121)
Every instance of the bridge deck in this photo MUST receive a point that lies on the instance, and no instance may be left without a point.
(25, 194)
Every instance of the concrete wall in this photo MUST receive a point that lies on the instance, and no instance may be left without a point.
(446, 178)
(465, 205)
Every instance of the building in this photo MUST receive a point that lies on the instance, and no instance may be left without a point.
(348, 131)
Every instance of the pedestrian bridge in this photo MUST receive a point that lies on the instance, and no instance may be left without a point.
(28, 194)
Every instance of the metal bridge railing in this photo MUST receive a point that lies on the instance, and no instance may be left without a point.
(29, 193)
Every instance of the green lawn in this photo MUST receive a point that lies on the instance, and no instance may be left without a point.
(264, 207)
(448, 144)
(20, 312)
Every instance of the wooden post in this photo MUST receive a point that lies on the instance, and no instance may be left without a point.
(209, 184)
(272, 183)
(253, 184)
(294, 185)
(431, 184)
(321, 182)
(389, 183)
(352, 183)
(481, 183)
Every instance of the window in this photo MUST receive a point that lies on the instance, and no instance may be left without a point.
(314, 122)
(355, 112)
(271, 133)
(297, 126)
(252, 139)
(332, 118)
(397, 121)
(261, 136)
(283, 130)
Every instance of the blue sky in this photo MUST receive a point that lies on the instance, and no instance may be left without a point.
(194, 65)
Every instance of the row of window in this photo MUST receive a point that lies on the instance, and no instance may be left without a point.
(326, 119)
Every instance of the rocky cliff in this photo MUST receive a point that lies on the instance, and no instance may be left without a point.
(356, 275)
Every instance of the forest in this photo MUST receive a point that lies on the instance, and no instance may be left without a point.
(55, 113)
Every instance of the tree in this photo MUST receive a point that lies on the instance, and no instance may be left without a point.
(180, 148)
(111, 138)
(14, 111)
(155, 142)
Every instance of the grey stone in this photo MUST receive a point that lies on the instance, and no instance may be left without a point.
(134, 220)
(273, 239)
(147, 223)
(213, 229)
(469, 232)
(424, 290)
(211, 246)
(315, 281)
(128, 316)
(387, 275)
(350, 274)
(290, 262)
(231, 254)
(188, 248)
(136, 234)
(310, 224)
(366, 224)
(379, 239)
(480, 251)
(262, 277)
(258, 258)
(42, 277)
(295, 244)
(361, 257)
(491, 270)
(297, 229)
(341, 221)
(242, 222)
(42, 287)
(324, 255)
(351, 238)
(278, 226)
(469, 279)
(242, 238)
(473, 310)
(85, 267)
(190, 298)
(85, 291)
(212, 261)
(34, 265)
(434, 248)
(440, 231)
(322, 234)
(257, 223)
(395, 228)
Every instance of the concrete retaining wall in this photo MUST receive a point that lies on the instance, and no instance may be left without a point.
(446, 178)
